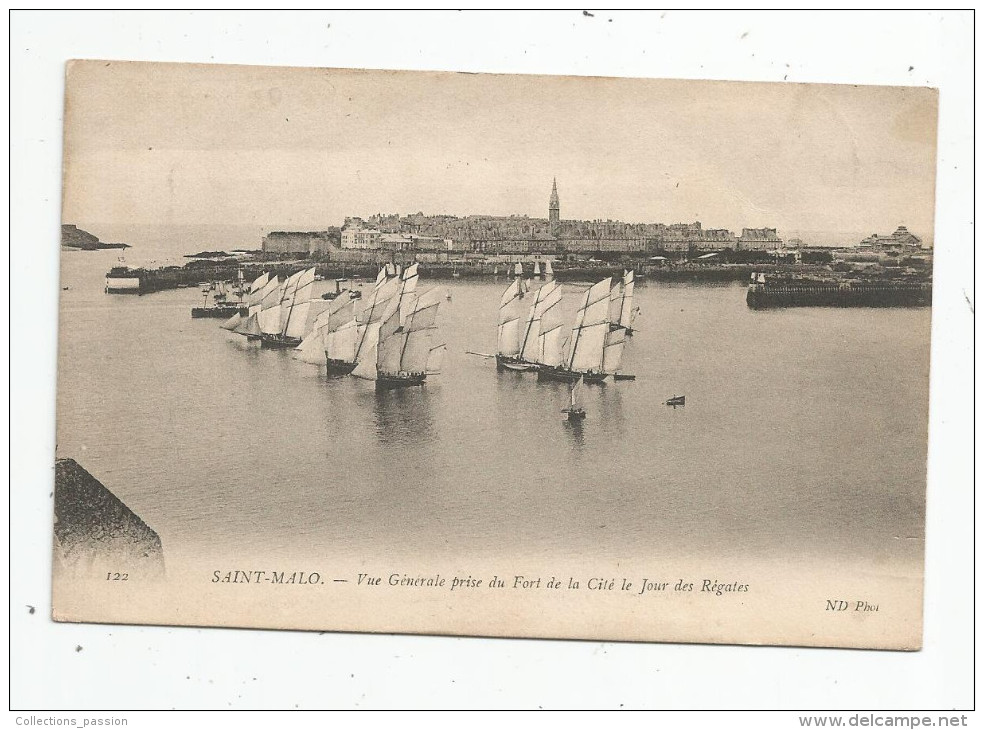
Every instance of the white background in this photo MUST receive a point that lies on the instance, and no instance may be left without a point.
(158, 667)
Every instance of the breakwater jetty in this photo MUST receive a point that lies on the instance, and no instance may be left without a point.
(122, 279)
(765, 292)
(96, 535)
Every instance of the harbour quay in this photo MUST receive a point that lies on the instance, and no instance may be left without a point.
(765, 292)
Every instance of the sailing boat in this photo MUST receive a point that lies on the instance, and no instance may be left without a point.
(287, 329)
(586, 355)
(546, 298)
(508, 339)
(239, 318)
(536, 269)
(314, 346)
(259, 290)
(547, 268)
(622, 313)
(574, 411)
(355, 341)
(406, 355)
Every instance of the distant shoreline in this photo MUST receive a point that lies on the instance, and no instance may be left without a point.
(95, 246)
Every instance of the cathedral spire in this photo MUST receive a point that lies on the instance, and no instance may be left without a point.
(554, 206)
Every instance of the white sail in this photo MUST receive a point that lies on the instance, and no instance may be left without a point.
(296, 321)
(545, 298)
(408, 286)
(377, 302)
(615, 304)
(339, 312)
(311, 350)
(547, 268)
(508, 296)
(574, 387)
(509, 332)
(318, 329)
(435, 358)
(587, 350)
(269, 320)
(391, 343)
(339, 315)
(366, 357)
(288, 297)
(318, 313)
(270, 294)
(508, 338)
(249, 326)
(626, 313)
(256, 292)
(407, 348)
(233, 322)
(550, 350)
(341, 343)
(530, 338)
(596, 302)
(536, 268)
(590, 324)
(420, 327)
(611, 361)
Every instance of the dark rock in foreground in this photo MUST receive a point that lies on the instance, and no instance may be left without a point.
(96, 535)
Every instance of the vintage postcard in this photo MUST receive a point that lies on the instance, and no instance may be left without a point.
(492, 355)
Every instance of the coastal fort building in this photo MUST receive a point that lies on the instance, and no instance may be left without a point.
(285, 243)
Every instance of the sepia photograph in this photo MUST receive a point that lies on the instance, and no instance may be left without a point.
(494, 354)
(355, 354)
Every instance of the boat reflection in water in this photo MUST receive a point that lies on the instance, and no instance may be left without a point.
(575, 433)
(403, 417)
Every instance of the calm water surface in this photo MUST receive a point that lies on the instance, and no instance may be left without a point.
(804, 435)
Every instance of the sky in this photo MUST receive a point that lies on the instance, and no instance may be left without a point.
(185, 144)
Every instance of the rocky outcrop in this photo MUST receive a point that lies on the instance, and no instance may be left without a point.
(74, 237)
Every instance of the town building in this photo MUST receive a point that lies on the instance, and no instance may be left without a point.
(901, 240)
(759, 239)
(355, 235)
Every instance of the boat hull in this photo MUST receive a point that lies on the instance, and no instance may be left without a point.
(514, 363)
(401, 380)
(278, 342)
(339, 367)
(559, 374)
(570, 376)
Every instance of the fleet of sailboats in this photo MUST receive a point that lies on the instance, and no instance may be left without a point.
(390, 335)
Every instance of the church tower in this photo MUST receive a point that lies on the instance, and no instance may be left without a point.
(554, 207)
